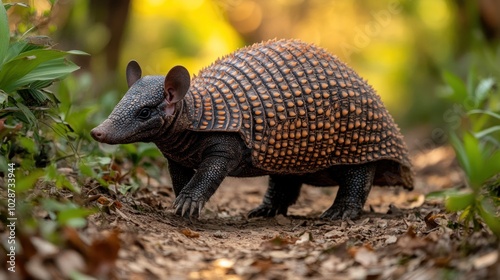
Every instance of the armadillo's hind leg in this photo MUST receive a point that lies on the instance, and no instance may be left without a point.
(282, 192)
(355, 182)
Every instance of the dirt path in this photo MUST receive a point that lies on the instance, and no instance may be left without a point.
(400, 236)
(137, 236)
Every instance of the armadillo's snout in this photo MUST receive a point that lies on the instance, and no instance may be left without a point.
(101, 133)
(98, 134)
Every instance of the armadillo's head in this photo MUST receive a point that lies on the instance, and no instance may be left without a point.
(147, 109)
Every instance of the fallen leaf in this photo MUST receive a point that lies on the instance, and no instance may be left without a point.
(442, 261)
(334, 234)
(391, 239)
(279, 242)
(411, 241)
(431, 220)
(103, 200)
(357, 272)
(280, 255)
(262, 265)
(304, 238)
(485, 260)
(35, 267)
(189, 233)
(69, 261)
(65, 170)
(43, 247)
(118, 204)
(102, 255)
(74, 241)
(416, 201)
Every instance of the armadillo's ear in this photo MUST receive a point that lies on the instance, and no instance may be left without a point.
(176, 84)
(134, 72)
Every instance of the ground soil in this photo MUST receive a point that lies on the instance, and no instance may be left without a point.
(400, 236)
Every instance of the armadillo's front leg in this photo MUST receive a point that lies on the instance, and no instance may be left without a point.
(220, 158)
(180, 176)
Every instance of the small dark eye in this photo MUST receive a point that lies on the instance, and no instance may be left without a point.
(145, 113)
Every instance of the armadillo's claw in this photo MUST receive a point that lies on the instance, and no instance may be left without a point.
(187, 207)
(179, 201)
(193, 209)
(200, 206)
(342, 211)
(266, 210)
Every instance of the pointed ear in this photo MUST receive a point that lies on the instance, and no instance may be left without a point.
(134, 72)
(176, 84)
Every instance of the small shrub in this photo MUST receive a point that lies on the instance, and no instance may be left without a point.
(476, 144)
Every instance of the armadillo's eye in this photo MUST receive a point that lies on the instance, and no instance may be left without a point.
(145, 113)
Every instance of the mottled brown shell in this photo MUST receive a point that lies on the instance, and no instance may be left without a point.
(299, 109)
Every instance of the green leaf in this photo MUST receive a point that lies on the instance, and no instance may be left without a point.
(24, 183)
(482, 90)
(56, 206)
(13, 51)
(487, 131)
(108, 149)
(34, 97)
(459, 90)
(104, 160)
(28, 144)
(489, 113)
(77, 52)
(470, 81)
(3, 97)
(148, 150)
(9, 5)
(4, 34)
(86, 170)
(49, 71)
(459, 202)
(3, 164)
(461, 153)
(490, 169)
(23, 64)
(74, 217)
(130, 148)
(475, 158)
(489, 217)
(441, 194)
(30, 117)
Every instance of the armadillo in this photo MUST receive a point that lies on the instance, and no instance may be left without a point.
(282, 108)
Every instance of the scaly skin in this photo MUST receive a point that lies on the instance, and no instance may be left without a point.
(282, 192)
(354, 181)
(217, 162)
(282, 108)
(354, 187)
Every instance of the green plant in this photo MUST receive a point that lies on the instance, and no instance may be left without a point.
(27, 70)
(34, 134)
(476, 144)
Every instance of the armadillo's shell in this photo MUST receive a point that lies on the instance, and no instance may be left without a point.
(299, 109)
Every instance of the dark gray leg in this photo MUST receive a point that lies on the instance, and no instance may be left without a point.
(202, 186)
(180, 176)
(220, 157)
(282, 192)
(355, 183)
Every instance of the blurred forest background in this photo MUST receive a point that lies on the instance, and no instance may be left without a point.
(400, 46)
(435, 63)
